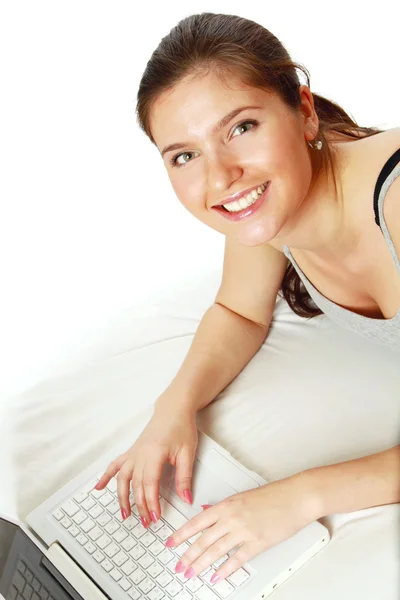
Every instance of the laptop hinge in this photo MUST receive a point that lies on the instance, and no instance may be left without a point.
(73, 574)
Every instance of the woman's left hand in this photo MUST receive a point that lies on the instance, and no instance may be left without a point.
(253, 520)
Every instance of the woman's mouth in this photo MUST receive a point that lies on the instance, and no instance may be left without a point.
(245, 212)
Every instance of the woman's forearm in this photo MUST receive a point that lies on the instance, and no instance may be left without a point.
(352, 485)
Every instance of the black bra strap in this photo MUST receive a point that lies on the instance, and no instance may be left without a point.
(383, 175)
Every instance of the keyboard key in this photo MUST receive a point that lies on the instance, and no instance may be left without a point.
(156, 526)
(164, 579)
(82, 539)
(96, 511)
(204, 593)
(103, 519)
(111, 550)
(113, 507)
(137, 552)
(95, 533)
(90, 548)
(98, 493)
(171, 515)
(98, 556)
(87, 525)
(19, 581)
(112, 485)
(44, 594)
(79, 517)
(111, 527)
(107, 565)
(120, 535)
(65, 522)
(181, 549)
(128, 567)
(184, 595)
(165, 556)
(238, 577)
(21, 566)
(156, 594)
(156, 547)
(28, 591)
(58, 514)
(137, 576)
(106, 499)
(120, 558)
(88, 503)
(103, 541)
(13, 593)
(115, 574)
(220, 561)
(138, 531)
(146, 560)
(134, 594)
(164, 533)
(224, 588)
(128, 544)
(146, 585)
(154, 570)
(80, 497)
(130, 523)
(194, 584)
(207, 576)
(70, 508)
(147, 539)
(173, 588)
(125, 584)
(74, 531)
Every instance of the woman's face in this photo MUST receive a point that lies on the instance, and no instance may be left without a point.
(213, 165)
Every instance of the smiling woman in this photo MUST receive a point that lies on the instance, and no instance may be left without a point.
(253, 154)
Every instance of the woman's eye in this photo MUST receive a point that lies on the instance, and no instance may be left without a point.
(253, 123)
(174, 160)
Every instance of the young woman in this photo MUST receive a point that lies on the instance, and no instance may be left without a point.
(309, 204)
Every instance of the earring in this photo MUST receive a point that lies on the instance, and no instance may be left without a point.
(317, 145)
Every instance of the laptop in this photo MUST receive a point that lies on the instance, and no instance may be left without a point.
(75, 545)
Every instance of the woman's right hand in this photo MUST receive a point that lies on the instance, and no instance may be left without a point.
(170, 435)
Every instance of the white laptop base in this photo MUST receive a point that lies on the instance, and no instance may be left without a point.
(127, 561)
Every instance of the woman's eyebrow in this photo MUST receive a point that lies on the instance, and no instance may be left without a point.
(224, 121)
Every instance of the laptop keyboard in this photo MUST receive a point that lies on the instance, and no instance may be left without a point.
(26, 585)
(134, 557)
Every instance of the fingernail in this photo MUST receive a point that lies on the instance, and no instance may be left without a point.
(124, 513)
(144, 521)
(153, 516)
(170, 543)
(188, 496)
(179, 567)
(189, 573)
(215, 578)
(96, 487)
(204, 506)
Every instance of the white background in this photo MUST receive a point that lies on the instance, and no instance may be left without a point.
(89, 221)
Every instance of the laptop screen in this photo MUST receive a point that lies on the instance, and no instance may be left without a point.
(25, 570)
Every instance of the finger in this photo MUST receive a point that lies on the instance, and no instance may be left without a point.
(200, 522)
(183, 475)
(235, 563)
(151, 479)
(139, 498)
(111, 470)
(205, 506)
(210, 547)
(123, 484)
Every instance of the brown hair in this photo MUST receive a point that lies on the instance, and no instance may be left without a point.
(232, 45)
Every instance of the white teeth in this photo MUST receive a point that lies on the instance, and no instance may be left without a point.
(246, 200)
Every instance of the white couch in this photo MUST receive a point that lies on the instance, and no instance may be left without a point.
(312, 395)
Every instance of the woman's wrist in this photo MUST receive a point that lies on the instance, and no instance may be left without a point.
(176, 402)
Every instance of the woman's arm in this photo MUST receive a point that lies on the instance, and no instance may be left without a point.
(352, 485)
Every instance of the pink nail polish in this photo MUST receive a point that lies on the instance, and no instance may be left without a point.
(153, 516)
(189, 573)
(179, 567)
(188, 496)
(124, 513)
(215, 578)
(144, 521)
(170, 543)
